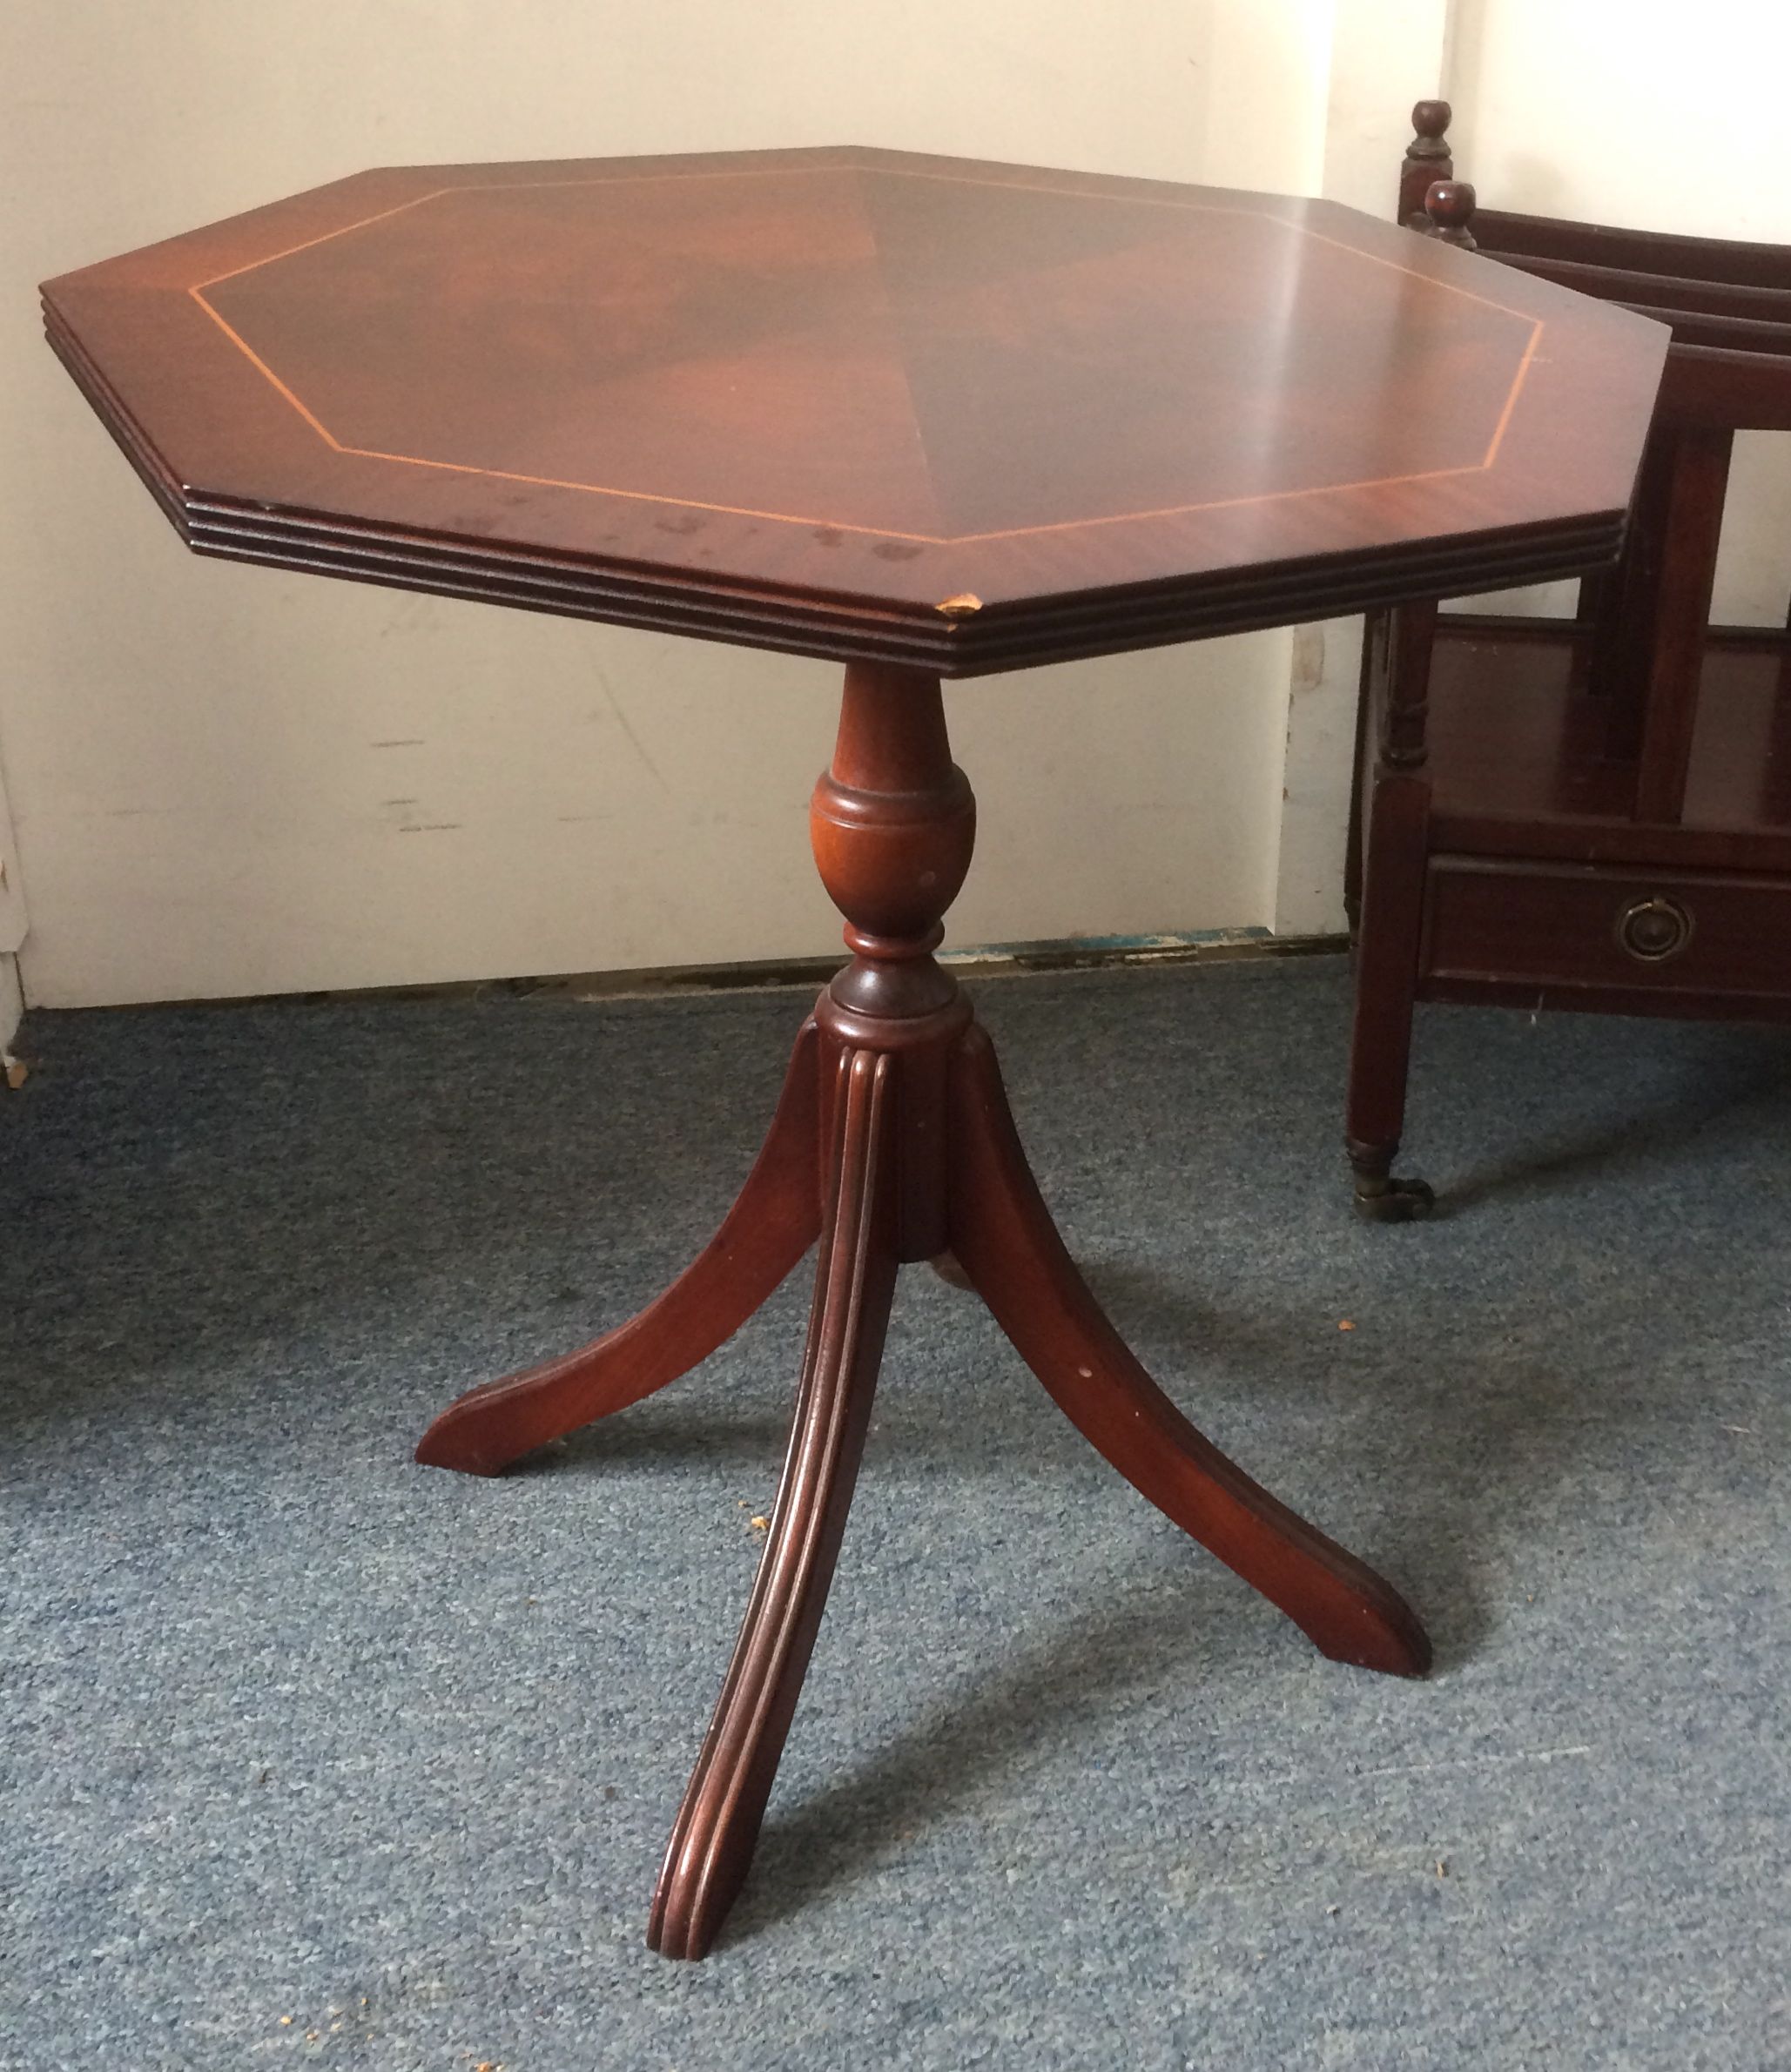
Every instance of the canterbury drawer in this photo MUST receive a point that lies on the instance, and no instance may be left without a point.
(1589, 924)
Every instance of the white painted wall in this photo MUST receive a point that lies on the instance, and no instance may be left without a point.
(203, 802)
(12, 1000)
(1640, 114)
(1383, 56)
(229, 780)
(13, 883)
(12, 926)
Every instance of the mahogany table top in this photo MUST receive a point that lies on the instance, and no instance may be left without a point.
(864, 403)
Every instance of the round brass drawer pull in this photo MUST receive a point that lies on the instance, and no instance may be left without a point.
(1654, 929)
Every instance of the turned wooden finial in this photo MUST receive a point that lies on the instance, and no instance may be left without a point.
(1427, 159)
(1429, 119)
(1449, 207)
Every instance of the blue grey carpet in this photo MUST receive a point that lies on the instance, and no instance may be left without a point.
(312, 1757)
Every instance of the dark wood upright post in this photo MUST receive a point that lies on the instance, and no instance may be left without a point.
(1677, 617)
(1392, 918)
(1427, 160)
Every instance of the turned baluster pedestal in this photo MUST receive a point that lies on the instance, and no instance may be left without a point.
(892, 1144)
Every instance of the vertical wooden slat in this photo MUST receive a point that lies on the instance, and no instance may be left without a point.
(1376, 629)
(1680, 614)
(1623, 632)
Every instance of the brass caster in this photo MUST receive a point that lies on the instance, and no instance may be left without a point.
(1394, 1200)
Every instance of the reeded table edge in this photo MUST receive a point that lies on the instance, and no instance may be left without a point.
(1010, 636)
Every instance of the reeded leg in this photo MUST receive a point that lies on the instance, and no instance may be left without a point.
(717, 1825)
(775, 1220)
(1003, 1235)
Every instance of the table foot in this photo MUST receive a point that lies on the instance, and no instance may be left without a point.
(717, 1825)
(1003, 1235)
(775, 1220)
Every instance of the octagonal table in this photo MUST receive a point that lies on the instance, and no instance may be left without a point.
(935, 417)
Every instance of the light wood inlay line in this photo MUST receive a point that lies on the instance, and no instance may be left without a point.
(812, 520)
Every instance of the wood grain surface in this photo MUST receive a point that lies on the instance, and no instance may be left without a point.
(860, 403)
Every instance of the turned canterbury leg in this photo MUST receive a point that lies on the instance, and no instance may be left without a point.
(1391, 927)
(893, 1142)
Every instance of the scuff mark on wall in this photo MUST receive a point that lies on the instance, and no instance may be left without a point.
(1309, 658)
(634, 739)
